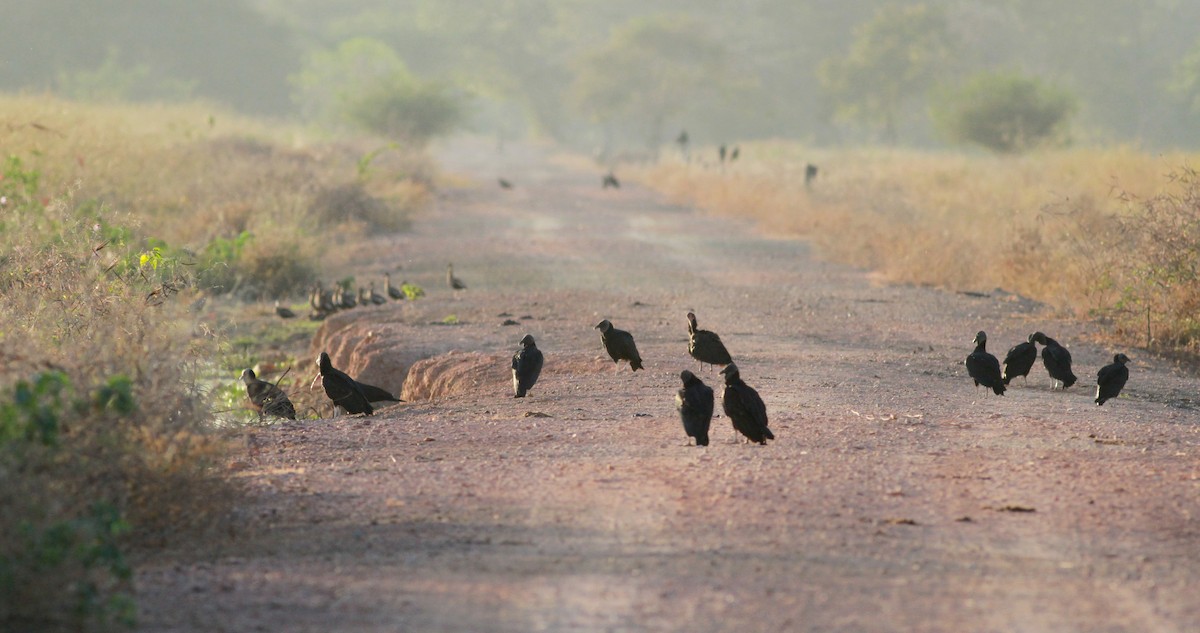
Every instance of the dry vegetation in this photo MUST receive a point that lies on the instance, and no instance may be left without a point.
(1100, 233)
(114, 220)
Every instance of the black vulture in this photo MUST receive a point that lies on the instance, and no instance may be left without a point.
(284, 312)
(267, 398)
(810, 174)
(1111, 379)
(327, 299)
(682, 139)
(375, 297)
(744, 407)
(344, 391)
(721, 153)
(737, 150)
(526, 366)
(610, 180)
(314, 298)
(452, 281)
(695, 404)
(364, 299)
(619, 344)
(389, 289)
(1057, 360)
(705, 346)
(1019, 360)
(349, 299)
(504, 184)
(983, 368)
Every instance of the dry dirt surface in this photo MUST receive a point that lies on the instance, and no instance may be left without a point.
(897, 497)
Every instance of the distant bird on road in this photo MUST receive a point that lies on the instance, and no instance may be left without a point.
(1111, 379)
(375, 297)
(526, 366)
(983, 368)
(504, 184)
(721, 151)
(705, 346)
(745, 407)
(619, 344)
(266, 398)
(389, 289)
(283, 312)
(1057, 360)
(452, 281)
(1019, 360)
(695, 404)
(737, 150)
(610, 180)
(346, 392)
(810, 174)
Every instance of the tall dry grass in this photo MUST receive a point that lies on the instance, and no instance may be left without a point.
(109, 216)
(1049, 225)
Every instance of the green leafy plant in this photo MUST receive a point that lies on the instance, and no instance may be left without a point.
(1004, 112)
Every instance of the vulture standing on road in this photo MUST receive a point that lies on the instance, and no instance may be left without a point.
(283, 312)
(346, 392)
(619, 344)
(389, 289)
(983, 368)
(695, 404)
(504, 184)
(744, 407)
(266, 397)
(1057, 360)
(452, 281)
(610, 180)
(1111, 378)
(1020, 360)
(705, 346)
(526, 366)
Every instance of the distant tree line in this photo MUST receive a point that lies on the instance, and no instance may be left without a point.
(587, 71)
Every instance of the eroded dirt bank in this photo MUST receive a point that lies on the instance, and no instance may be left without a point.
(897, 497)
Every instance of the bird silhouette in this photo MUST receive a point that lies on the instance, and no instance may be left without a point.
(983, 368)
(695, 405)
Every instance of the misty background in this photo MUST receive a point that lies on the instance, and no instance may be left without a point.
(629, 73)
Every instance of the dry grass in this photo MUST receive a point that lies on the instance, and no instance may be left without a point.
(109, 217)
(1044, 225)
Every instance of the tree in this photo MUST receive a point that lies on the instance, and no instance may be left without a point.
(650, 69)
(897, 56)
(1004, 112)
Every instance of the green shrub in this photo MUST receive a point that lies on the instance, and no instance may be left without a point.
(1004, 112)
(405, 109)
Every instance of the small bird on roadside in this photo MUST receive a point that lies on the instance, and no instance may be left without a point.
(375, 297)
(810, 174)
(267, 398)
(695, 405)
(526, 366)
(346, 392)
(705, 346)
(619, 344)
(610, 180)
(983, 368)
(1019, 360)
(1057, 360)
(1111, 379)
(452, 281)
(745, 408)
(504, 184)
(283, 312)
(389, 289)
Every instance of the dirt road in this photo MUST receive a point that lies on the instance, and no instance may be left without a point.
(898, 497)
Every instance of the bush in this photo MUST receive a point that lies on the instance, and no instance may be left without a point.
(104, 434)
(1152, 267)
(1004, 112)
(405, 109)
